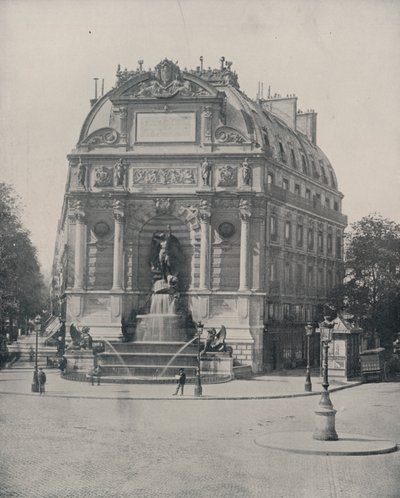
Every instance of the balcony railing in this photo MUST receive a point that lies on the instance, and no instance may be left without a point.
(291, 198)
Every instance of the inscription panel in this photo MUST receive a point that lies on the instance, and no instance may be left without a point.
(166, 127)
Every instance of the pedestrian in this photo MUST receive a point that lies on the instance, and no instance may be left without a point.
(181, 379)
(42, 380)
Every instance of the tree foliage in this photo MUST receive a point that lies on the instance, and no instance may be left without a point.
(371, 289)
(22, 289)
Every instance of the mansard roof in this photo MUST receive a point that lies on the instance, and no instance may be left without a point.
(251, 119)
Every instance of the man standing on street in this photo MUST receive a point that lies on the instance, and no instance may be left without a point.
(181, 379)
(42, 380)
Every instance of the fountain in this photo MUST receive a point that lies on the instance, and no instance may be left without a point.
(163, 335)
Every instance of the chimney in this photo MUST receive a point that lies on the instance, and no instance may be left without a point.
(306, 123)
(284, 108)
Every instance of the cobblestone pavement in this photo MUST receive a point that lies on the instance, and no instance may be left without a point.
(115, 448)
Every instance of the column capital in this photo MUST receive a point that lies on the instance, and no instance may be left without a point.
(204, 211)
(119, 211)
(79, 213)
(245, 210)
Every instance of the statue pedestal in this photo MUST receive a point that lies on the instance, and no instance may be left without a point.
(218, 365)
(160, 328)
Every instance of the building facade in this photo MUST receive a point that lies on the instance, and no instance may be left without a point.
(242, 185)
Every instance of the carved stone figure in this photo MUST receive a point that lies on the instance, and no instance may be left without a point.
(166, 255)
(215, 341)
(81, 339)
(119, 169)
(246, 173)
(205, 172)
(81, 174)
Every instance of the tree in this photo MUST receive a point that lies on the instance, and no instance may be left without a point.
(22, 291)
(371, 288)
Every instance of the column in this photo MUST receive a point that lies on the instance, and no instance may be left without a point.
(205, 216)
(80, 245)
(245, 215)
(119, 216)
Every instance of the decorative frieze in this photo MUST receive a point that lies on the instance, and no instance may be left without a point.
(165, 176)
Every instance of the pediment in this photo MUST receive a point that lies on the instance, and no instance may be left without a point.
(167, 81)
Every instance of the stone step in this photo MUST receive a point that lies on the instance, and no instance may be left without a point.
(151, 347)
(146, 358)
(144, 370)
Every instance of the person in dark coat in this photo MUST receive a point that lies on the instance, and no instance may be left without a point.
(42, 380)
(181, 379)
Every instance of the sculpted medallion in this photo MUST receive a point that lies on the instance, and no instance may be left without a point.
(103, 177)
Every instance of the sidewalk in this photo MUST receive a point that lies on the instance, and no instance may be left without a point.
(17, 380)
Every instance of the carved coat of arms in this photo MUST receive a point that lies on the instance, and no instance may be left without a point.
(103, 177)
(227, 176)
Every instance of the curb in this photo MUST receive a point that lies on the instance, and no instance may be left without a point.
(185, 398)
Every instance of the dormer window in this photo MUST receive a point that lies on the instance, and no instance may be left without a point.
(315, 173)
(333, 182)
(304, 164)
(294, 162)
(324, 177)
(282, 152)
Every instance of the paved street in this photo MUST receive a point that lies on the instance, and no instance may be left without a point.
(84, 447)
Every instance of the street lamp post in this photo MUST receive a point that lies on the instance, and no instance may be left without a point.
(35, 381)
(308, 385)
(198, 390)
(325, 414)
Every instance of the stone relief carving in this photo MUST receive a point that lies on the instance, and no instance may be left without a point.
(225, 134)
(226, 229)
(103, 177)
(103, 136)
(166, 82)
(227, 176)
(163, 205)
(165, 176)
(79, 210)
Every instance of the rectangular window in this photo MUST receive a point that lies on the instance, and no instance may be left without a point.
(288, 232)
(336, 206)
(270, 179)
(327, 202)
(300, 274)
(320, 241)
(329, 279)
(299, 235)
(329, 243)
(297, 189)
(310, 276)
(272, 227)
(285, 184)
(308, 194)
(272, 276)
(320, 278)
(310, 241)
(338, 246)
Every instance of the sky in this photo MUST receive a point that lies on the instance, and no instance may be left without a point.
(341, 58)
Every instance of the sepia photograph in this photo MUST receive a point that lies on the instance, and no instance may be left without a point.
(199, 248)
